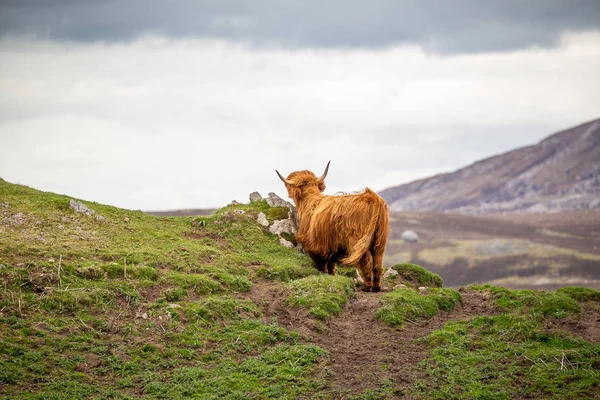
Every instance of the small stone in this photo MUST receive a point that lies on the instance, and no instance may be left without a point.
(234, 203)
(254, 197)
(60, 226)
(160, 317)
(286, 243)
(126, 219)
(79, 207)
(100, 218)
(262, 219)
(5, 205)
(390, 272)
(409, 236)
(283, 226)
(239, 211)
(422, 289)
(173, 305)
(17, 219)
(51, 260)
(145, 315)
(167, 315)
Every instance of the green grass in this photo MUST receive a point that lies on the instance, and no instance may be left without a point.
(286, 273)
(143, 306)
(407, 305)
(580, 293)
(417, 276)
(505, 357)
(324, 295)
(555, 304)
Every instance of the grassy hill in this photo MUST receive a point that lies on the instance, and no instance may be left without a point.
(121, 304)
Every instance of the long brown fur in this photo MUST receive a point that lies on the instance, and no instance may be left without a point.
(351, 229)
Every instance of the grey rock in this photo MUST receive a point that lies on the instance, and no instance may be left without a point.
(17, 219)
(173, 305)
(5, 205)
(234, 203)
(240, 211)
(286, 243)
(275, 201)
(145, 315)
(390, 272)
(262, 220)
(254, 197)
(79, 207)
(100, 218)
(283, 226)
(410, 236)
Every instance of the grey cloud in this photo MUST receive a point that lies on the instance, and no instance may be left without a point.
(460, 26)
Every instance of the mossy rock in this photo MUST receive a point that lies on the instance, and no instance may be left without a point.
(417, 275)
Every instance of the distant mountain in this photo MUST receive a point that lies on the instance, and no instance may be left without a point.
(560, 173)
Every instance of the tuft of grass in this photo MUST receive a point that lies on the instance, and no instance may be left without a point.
(417, 275)
(506, 357)
(286, 273)
(324, 295)
(581, 293)
(407, 305)
(554, 304)
(219, 308)
(277, 213)
(198, 283)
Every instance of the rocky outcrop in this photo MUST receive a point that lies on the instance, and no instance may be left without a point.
(286, 228)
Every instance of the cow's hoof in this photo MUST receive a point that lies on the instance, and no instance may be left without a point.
(366, 288)
(376, 289)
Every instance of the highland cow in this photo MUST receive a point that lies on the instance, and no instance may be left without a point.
(351, 229)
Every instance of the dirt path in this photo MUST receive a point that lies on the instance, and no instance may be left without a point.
(364, 352)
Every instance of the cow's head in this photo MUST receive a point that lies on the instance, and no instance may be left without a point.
(301, 184)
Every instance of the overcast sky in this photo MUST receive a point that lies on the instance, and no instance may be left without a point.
(181, 104)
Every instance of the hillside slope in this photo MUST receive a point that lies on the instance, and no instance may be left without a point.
(120, 304)
(560, 173)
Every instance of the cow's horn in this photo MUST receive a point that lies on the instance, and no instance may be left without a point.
(325, 173)
(283, 179)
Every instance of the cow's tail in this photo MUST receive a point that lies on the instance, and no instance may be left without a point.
(364, 243)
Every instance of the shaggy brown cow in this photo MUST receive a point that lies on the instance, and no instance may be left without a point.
(351, 229)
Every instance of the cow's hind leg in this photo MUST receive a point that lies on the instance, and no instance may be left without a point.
(377, 270)
(365, 266)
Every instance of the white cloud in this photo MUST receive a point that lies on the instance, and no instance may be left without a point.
(159, 123)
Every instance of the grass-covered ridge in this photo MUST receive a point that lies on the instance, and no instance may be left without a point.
(408, 305)
(135, 306)
(513, 355)
(555, 304)
(324, 295)
(416, 276)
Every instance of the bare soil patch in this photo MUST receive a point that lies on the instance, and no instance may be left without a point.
(364, 352)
